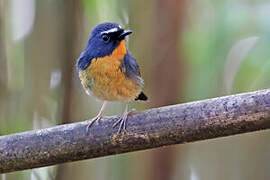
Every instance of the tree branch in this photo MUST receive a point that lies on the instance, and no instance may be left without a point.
(163, 126)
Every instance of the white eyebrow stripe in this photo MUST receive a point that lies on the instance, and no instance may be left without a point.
(110, 31)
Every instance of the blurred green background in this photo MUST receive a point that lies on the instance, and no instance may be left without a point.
(187, 50)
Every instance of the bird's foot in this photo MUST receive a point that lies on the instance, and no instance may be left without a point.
(122, 120)
(95, 119)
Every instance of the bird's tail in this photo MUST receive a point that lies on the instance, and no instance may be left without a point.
(141, 97)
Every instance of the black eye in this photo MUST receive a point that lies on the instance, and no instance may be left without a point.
(105, 37)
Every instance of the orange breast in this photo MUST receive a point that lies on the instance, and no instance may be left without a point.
(105, 79)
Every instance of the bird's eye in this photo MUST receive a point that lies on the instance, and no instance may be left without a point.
(105, 37)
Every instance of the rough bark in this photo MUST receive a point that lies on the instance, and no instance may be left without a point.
(157, 127)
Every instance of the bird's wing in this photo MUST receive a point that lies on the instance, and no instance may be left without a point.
(83, 61)
(132, 69)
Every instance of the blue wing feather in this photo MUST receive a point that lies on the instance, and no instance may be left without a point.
(132, 69)
(83, 61)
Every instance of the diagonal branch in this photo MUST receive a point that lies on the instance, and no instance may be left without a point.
(163, 126)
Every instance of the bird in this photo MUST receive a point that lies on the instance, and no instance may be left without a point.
(108, 71)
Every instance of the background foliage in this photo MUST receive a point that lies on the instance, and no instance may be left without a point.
(187, 50)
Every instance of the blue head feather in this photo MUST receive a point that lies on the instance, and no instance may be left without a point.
(96, 46)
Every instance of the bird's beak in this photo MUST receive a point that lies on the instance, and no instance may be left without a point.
(124, 34)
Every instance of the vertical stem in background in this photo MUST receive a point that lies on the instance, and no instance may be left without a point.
(3, 66)
(43, 52)
(3, 63)
(72, 17)
(168, 72)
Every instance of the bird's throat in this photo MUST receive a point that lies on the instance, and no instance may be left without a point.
(120, 51)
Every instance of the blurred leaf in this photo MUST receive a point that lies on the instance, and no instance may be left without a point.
(254, 72)
(237, 54)
(22, 18)
(90, 6)
(45, 173)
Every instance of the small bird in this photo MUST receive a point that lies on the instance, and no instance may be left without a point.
(108, 71)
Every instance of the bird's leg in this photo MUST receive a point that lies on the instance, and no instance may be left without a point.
(98, 117)
(123, 119)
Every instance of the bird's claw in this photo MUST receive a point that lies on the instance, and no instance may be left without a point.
(123, 120)
(91, 122)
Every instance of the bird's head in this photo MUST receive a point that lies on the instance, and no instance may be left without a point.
(104, 39)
